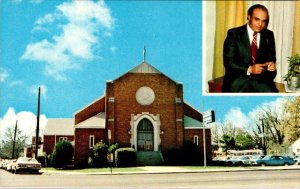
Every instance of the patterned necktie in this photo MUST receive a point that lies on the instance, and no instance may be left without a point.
(254, 47)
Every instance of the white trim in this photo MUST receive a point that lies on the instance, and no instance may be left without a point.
(196, 128)
(91, 139)
(89, 127)
(196, 139)
(111, 99)
(154, 119)
(96, 121)
(178, 100)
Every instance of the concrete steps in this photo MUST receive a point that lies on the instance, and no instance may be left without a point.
(149, 158)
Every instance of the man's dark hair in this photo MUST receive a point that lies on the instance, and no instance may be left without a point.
(259, 6)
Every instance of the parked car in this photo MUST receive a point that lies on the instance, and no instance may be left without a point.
(238, 160)
(297, 160)
(275, 160)
(219, 161)
(9, 165)
(254, 158)
(26, 164)
(4, 163)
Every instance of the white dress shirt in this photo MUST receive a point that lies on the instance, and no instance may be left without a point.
(250, 34)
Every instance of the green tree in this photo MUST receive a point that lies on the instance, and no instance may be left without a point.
(7, 143)
(62, 154)
(244, 141)
(228, 142)
(269, 129)
(293, 119)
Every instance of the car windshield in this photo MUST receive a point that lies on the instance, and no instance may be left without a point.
(26, 159)
(267, 157)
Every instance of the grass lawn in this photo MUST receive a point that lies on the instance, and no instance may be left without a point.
(96, 170)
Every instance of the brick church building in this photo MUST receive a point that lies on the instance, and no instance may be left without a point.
(143, 109)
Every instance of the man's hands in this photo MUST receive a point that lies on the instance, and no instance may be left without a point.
(260, 68)
(271, 66)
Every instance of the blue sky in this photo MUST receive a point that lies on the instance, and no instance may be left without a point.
(71, 49)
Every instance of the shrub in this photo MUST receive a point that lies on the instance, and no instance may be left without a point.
(125, 157)
(62, 154)
(191, 154)
(112, 148)
(173, 156)
(100, 154)
(42, 160)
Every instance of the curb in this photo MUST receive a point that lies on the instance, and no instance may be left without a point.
(50, 172)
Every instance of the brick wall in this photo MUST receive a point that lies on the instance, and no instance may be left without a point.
(82, 149)
(120, 102)
(189, 136)
(49, 142)
(91, 110)
(124, 92)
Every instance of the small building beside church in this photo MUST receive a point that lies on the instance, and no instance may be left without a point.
(143, 109)
(57, 129)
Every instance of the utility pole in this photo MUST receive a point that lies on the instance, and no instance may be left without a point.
(14, 142)
(204, 145)
(37, 125)
(264, 138)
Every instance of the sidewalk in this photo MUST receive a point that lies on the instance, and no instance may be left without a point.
(171, 169)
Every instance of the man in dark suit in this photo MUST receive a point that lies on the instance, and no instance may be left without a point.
(249, 55)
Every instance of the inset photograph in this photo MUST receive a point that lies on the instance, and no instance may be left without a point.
(251, 47)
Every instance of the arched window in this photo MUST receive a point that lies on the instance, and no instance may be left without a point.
(145, 137)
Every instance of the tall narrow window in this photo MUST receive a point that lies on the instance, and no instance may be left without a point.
(92, 141)
(196, 139)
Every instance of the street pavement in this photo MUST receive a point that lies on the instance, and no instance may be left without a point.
(163, 179)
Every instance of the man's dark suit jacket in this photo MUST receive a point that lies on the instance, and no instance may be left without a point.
(237, 59)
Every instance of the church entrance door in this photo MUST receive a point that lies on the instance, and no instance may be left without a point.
(145, 135)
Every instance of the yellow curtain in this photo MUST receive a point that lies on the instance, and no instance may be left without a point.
(229, 14)
(296, 38)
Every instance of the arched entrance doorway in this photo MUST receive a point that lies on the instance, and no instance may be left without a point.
(145, 135)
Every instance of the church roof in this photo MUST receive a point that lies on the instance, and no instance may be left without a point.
(59, 126)
(144, 67)
(192, 123)
(94, 122)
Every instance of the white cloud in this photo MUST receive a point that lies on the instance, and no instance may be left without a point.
(237, 118)
(80, 24)
(47, 19)
(26, 122)
(34, 90)
(276, 106)
(16, 83)
(113, 49)
(3, 75)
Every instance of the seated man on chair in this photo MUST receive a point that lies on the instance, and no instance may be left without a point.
(249, 55)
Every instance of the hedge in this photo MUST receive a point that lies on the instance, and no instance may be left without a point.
(125, 157)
